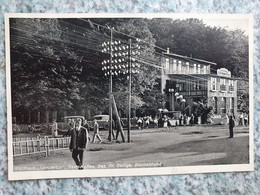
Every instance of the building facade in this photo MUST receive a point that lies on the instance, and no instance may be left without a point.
(196, 80)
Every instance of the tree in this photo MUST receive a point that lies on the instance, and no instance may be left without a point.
(201, 109)
(41, 78)
(191, 37)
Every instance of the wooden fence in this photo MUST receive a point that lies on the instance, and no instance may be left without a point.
(25, 146)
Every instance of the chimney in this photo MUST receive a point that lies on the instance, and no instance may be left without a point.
(168, 50)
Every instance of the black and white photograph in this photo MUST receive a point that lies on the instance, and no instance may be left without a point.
(98, 95)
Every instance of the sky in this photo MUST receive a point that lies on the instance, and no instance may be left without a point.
(229, 24)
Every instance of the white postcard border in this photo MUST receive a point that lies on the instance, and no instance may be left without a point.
(29, 175)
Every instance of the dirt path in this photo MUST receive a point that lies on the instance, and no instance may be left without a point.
(199, 145)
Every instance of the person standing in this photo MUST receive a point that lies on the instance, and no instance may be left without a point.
(165, 122)
(78, 142)
(192, 120)
(246, 120)
(241, 118)
(96, 132)
(54, 128)
(184, 119)
(231, 126)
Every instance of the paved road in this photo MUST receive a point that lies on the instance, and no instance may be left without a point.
(185, 146)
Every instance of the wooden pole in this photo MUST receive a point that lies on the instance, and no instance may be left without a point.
(118, 120)
(129, 92)
(110, 91)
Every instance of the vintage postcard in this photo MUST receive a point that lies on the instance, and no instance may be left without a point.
(99, 95)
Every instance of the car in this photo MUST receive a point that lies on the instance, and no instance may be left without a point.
(102, 120)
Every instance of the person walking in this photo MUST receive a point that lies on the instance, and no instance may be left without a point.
(147, 122)
(140, 123)
(96, 132)
(231, 126)
(155, 121)
(78, 143)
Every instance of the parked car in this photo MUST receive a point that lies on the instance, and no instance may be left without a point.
(218, 119)
(102, 120)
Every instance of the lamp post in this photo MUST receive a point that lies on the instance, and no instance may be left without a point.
(171, 91)
(183, 101)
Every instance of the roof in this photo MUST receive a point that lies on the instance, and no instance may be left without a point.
(102, 115)
(199, 75)
(190, 58)
(65, 117)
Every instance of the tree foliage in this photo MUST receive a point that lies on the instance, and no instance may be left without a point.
(191, 37)
(56, 63)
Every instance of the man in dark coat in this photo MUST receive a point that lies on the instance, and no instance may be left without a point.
(78, 142)
(231, 126)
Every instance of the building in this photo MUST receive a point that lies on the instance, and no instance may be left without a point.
(185, 80)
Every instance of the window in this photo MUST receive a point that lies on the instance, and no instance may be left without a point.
(223, 84)
(198, 70)
(215, 105)
(180, 67)
(171, 65)
(167, 65)
(191, 69)
(195, 85)
(180, 87)
(205, 69)
(198, 85)
(231, 85)
(213, 84)
(201, 69)
(177, 67)
(224, 103)
(195, 68)
(187, 67)
(174, 65)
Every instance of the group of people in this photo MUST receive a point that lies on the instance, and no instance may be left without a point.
(80, 134)
(243, 119)
(144, 122)
(165, 121)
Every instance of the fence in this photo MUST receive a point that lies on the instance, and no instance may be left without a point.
(24, 146)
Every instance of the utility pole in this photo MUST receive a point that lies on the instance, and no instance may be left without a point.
(110, 90)
(121, 62)
(129, 90)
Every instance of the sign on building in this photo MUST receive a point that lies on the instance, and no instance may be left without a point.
(223, 72)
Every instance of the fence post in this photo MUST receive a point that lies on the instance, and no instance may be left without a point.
(33, 149)
(27, 149)
(39, 144)
(46, 144)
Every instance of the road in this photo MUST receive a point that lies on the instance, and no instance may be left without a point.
(185, 146)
